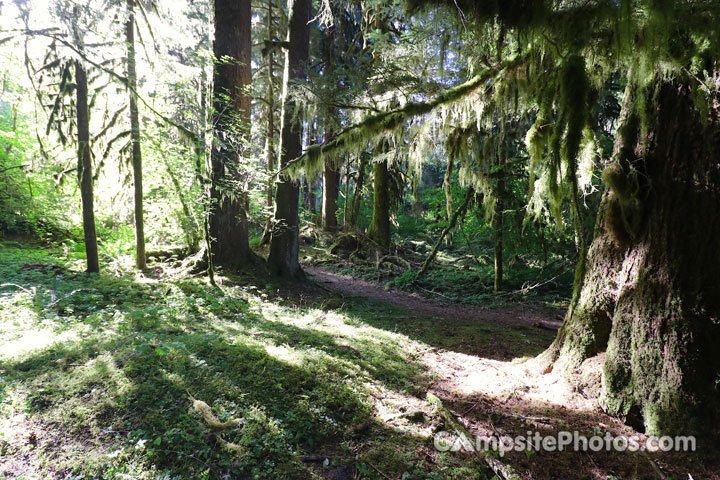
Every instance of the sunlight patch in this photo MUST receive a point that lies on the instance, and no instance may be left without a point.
(34, 340)
(284, 353)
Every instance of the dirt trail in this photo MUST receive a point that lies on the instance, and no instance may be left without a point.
(493, 398)
(418, 304)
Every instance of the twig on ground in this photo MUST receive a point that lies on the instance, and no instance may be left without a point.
(435, 293)
(65, 297)
(655, 468)
(379, 471)
(32, 292)
(320, 458)
(524, 290)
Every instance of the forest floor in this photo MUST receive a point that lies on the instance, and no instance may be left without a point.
(101, 377)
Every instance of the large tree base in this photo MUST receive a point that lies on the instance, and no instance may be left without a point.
(650, 296)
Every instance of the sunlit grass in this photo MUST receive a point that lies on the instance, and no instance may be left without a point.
(102, 369)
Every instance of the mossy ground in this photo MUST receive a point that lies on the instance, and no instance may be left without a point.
(97, 374)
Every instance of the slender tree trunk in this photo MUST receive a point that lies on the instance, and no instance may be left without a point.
(357, 195)
(331, 190)
(190, 224)
(309, 198)
(85, 169)
(284, 244)
(346, 198)
(497, 224)
(140, 260)
(650, 295)
(497, 221)
(270, 126)
(231, 119)
(447, 186)
(201, 146)
(451, 224)
(379, 229)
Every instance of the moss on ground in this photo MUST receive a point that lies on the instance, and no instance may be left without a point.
(98, 374)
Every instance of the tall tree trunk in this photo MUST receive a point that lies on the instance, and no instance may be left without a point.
(85, 168)
(284, 244)
(231, 118)
(331, 173)
(357, 195)
(650, 295)
(140, 261)
(379, 229)
(270, 125)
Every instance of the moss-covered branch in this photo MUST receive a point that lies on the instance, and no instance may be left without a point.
(375, 125)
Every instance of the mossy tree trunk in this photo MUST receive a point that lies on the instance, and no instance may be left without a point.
(284, 244)
(140, 261)
(650, 295)
(85, 175)
(231, 118)
(379, 229)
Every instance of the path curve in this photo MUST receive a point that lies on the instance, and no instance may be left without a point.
(347, 285)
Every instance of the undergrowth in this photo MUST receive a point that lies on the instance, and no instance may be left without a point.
(98, 374)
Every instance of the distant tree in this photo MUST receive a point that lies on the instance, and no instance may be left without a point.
(140, 260)
(85, 176)
(379, 229)
(331, 171)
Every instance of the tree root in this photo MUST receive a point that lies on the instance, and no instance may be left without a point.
(500, 469)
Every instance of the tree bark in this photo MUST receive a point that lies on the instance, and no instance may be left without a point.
(231, 119)
(379, 229)
(140, 260)
(649, 295)
(331, 173)
(85, 168)
(284, 244)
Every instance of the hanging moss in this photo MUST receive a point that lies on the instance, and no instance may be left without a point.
(624, 210)
(574, 105)
(356, 137)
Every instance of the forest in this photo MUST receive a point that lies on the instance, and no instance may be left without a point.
(360, 239)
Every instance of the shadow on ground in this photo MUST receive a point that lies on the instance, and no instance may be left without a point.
(110, 388)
